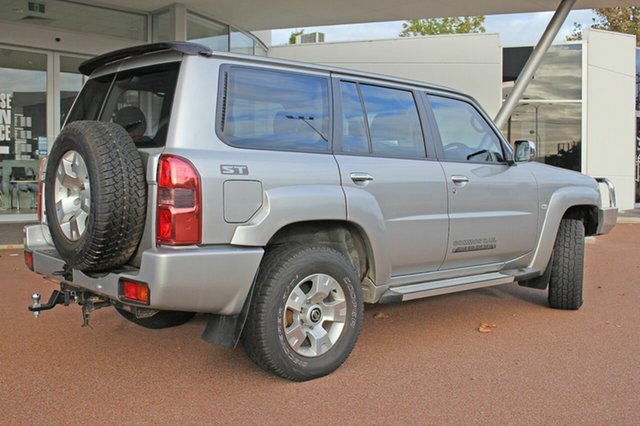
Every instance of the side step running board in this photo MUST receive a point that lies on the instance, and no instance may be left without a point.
(435, 288)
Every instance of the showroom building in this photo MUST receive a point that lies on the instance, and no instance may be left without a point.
(43, 42)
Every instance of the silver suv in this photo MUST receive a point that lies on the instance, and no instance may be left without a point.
(279, 197)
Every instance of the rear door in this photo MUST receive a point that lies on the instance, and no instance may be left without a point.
(385, 171)
(493, 206)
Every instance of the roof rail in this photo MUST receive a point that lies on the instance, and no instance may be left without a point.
(90, 65)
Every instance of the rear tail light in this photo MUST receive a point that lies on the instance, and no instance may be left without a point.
(28, 259)
(179, 202)
(43, 164)
(134, 291)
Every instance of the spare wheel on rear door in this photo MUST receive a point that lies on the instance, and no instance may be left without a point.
(95, 195)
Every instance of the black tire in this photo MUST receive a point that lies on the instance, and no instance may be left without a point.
(281, 271)
(567, 268)
(118, 192)
(163, 319)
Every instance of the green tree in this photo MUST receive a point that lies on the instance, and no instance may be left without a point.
(294, 34)
(619, 19)
(434, 26)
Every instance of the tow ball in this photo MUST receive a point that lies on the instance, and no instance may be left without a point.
(88, 301)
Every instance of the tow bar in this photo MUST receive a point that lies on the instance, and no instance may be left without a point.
(87, 300)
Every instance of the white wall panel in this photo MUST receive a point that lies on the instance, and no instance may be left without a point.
(610, 111)
(468, 62)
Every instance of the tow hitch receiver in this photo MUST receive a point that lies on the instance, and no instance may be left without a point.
(87, 300)
(57, 297)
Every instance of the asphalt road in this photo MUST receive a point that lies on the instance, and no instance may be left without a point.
(423, 362)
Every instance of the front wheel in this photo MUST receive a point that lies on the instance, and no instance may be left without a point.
(565, 283)
(305, 314)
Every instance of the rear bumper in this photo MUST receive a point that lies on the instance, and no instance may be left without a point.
(214, 279)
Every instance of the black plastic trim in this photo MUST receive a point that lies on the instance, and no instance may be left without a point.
(389, 297)
(186, 48)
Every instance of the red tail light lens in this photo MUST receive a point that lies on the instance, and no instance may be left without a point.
(28, 259)
(134, 291)
(179, 202)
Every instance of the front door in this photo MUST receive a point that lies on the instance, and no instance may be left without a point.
(493, 206)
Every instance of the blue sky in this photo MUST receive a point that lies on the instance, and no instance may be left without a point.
(515, 30)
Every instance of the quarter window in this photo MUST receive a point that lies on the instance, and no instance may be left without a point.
(276, 110)
(465, 134)
(380, 120)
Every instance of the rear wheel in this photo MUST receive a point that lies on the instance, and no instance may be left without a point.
(306, 312)
(567, 268)
(163, 319)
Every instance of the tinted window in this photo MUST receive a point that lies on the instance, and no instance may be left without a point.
(139, 100)
(354, 131)
(276, 110)
(464, 133)
(391, 116)
(88, 104)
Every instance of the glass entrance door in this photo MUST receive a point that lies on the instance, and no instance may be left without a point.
(23, 127)
(37, 89)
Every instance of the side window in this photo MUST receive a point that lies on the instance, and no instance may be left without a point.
(390, 116)
(276, 110)
(354, 130)
(465, 134)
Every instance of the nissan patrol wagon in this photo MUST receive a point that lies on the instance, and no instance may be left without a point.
(279, 197)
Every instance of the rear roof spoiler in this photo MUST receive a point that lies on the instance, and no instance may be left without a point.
(186, 48)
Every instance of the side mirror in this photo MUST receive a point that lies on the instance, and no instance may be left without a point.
(525, 151)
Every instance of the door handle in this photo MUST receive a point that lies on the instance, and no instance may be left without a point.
(361, 177)
(460, 180)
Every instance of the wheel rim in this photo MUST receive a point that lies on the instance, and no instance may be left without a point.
(315, 315)
(72, 195)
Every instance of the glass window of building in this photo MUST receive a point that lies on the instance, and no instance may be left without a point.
(559, 75)
(207, 32)
(77, 17)
(241, 43)
(556, 128)
(260, 50)
(70, 83)
(550, 113)
(161, 26)
(23, 127)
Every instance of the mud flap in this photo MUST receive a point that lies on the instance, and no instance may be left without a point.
(225, 330)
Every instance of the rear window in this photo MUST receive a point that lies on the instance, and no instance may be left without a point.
(277, 110)
(139, 100)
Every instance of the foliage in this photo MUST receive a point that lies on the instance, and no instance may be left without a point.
(434, 26)
(619, 19)
(294, 34)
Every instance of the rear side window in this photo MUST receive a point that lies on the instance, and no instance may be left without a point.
(277, 110)
(380, 120)
(139, 100)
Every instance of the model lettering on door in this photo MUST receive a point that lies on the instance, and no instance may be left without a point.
(474, 244)
(230, 169)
